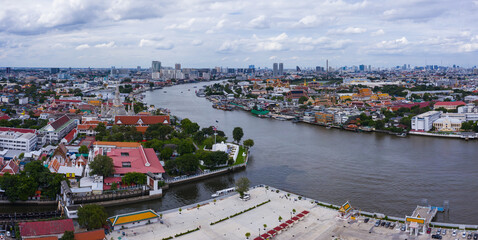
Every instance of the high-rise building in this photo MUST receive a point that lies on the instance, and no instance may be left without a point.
(297, 68)
(275, 69)
(8, 70)
(362, 68)
(156, 66)
(54, 70)
(281, 68)
(177, 66)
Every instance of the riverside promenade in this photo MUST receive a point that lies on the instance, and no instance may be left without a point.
(319, 223)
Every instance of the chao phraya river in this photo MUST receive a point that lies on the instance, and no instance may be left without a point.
(375, 172)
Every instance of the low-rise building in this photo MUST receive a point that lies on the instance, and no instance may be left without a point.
(42, 229)
(447, 124)
(135, 219)
(18, 139)
(448, 105)
(424, 121)
(56, 130)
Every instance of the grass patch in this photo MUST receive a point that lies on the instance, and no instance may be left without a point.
(240, 159)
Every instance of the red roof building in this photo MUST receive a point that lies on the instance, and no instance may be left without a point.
(19, 130)
(91, 235)
(449, 105)
(11, 167)
(45, 228)
(69, 137)
(139, 159)
(141, 120)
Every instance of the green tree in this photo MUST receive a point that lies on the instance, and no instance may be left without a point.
(302, 99)
(102, 165)
(114, 186)
(187, 163)
(215, 158)
(83, 149)
(186, 146)
(9, 184)
(68, 235)
(134, 177)
(237, 134)
(92, 216)
(166, 153)
(21, 156)
(248, 234)
(248, 143)
(242, 185)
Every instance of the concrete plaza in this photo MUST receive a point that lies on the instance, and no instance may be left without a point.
(320, 223)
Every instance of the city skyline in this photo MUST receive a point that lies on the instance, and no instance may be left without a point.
(231, 34)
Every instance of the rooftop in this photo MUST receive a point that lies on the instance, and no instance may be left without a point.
(31, 229)
(140, 159)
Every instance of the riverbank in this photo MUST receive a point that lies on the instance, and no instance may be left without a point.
(372, 170)
(230, 217)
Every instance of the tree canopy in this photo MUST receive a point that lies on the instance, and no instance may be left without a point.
(83, 149)
(237, 134)
(242, 185)
(92, 216)
(102, 165)
(248, 143)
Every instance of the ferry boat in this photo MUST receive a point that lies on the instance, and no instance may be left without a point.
(223, 192)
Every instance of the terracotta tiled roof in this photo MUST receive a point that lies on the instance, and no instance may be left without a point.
(87, 126)
(32, 229)
(118, 144)
(10, 167)
(140, 159)
(60, 122)
(457, 103)
(20, 130)
(141, 120)
(91, 235)
(69, 137)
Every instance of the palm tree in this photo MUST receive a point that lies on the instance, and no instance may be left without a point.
(180, 210)
(280, 218)
(248, 234)
(265, 225)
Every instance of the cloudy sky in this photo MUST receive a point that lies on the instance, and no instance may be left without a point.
(204, 33)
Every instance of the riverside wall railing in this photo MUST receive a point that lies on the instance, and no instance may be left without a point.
(195, 177)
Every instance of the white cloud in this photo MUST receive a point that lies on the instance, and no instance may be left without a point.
(183, 26)
(259, 22)
(349, 30)
(273, 58)
(378, 33)
(197, 42)
(82, 46)
(106, 45)
(397, 43)
(160, 45)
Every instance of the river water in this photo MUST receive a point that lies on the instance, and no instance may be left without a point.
(375, 172)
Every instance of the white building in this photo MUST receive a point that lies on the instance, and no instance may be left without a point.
(424, 121)
(18, 139)
(23, 100)
(57, 130)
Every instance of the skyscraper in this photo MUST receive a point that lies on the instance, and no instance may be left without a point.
(275, 70)
(156, 66)
(281, 69)
(177, 66)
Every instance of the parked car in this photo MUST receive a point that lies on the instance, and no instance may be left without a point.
(429, 230)
(469, 236)
(439, 231)
(453, 233)
(387, 224)
(392, 225)
(383, 223)
(475, 236)
(377, 223)
(403, 227)
(436, 236)
(443, 232)
(463, 234)
(366, 220)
